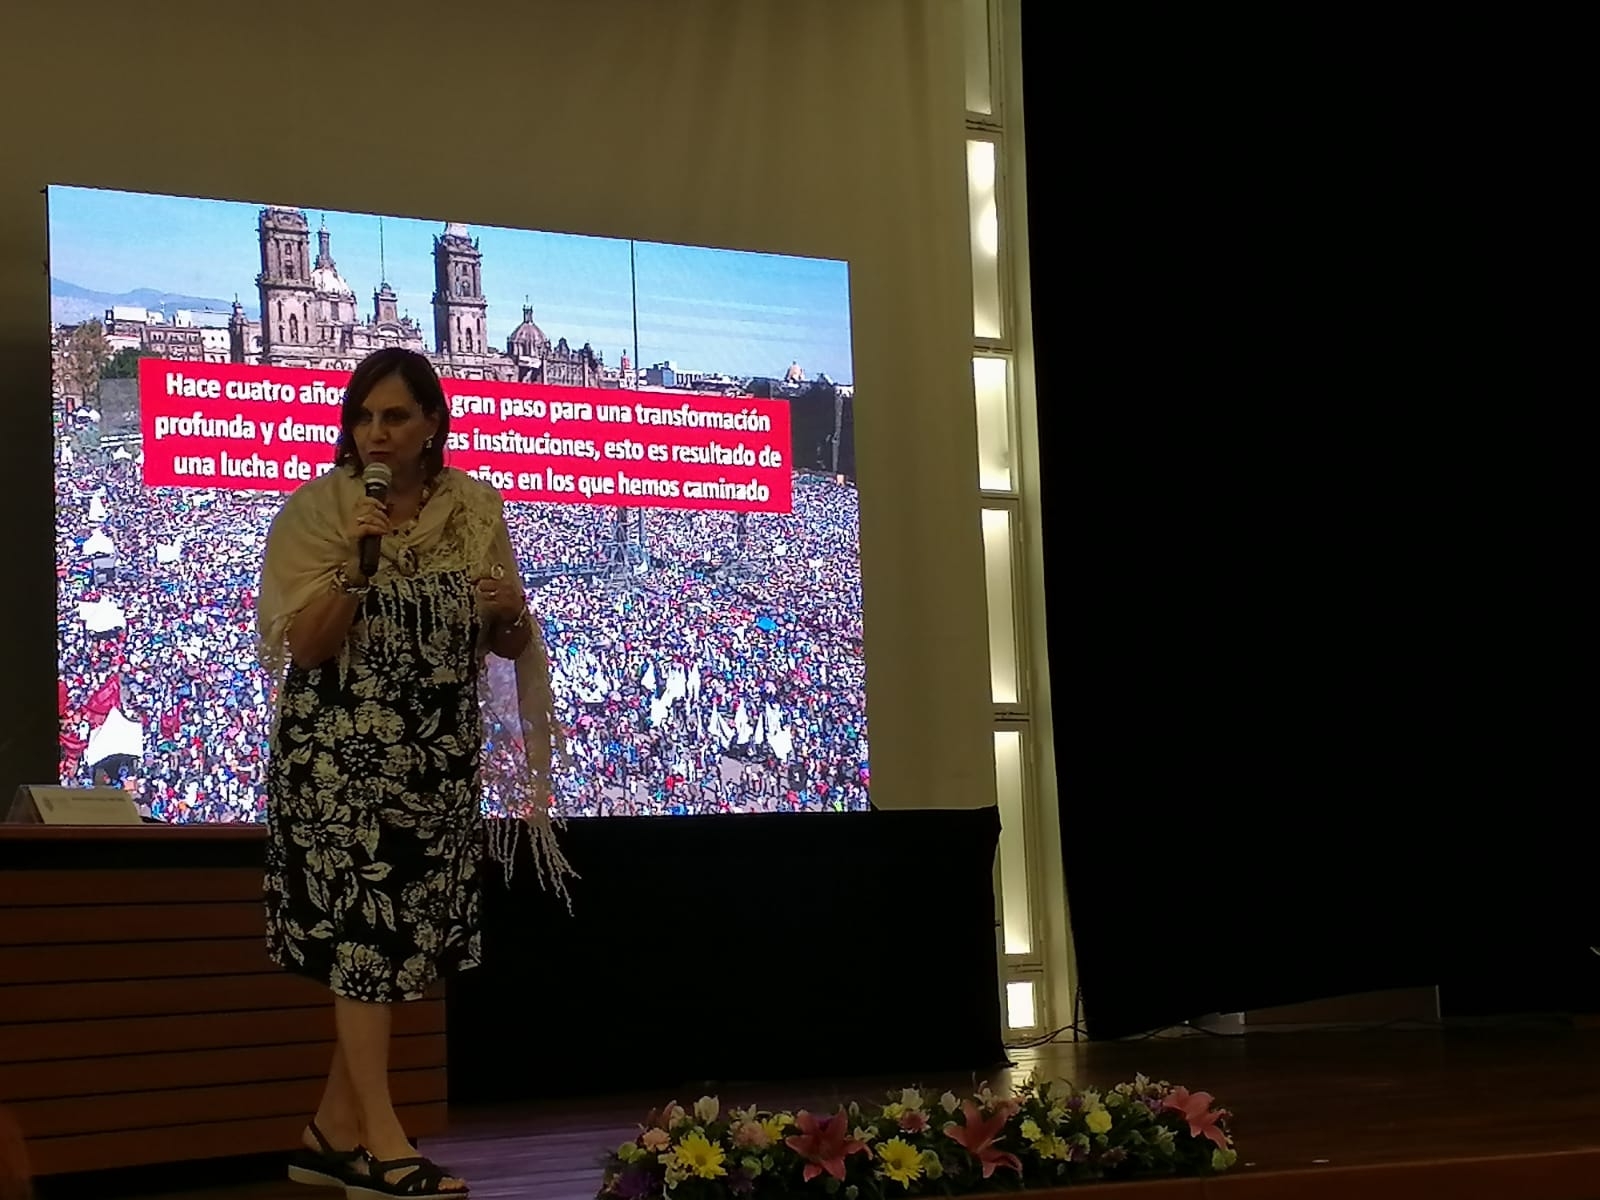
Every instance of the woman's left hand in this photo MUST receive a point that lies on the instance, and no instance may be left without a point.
(500, 600)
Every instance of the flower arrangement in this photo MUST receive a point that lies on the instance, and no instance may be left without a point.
(917, 1144)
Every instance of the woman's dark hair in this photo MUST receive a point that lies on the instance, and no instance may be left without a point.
(421, 380)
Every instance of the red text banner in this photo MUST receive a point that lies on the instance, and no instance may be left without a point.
(272, 428)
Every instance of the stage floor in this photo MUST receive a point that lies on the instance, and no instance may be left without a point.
(1375, 1114)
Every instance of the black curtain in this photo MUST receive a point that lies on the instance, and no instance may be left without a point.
(1307, 661)
(737, 948)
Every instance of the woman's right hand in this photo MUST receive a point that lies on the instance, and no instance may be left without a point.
(368, 517)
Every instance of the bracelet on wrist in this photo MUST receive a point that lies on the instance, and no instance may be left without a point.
(350, 587)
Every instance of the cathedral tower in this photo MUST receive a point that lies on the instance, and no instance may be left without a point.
(285, 284)
(385, 306)
(460, 311)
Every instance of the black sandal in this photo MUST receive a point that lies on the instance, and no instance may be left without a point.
(325, 1166)
(422, 1182)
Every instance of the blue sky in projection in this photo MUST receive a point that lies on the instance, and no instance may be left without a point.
(704, 309)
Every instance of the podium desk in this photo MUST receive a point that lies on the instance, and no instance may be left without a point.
(141, 1020)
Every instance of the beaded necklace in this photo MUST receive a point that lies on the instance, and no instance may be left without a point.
(406, 558)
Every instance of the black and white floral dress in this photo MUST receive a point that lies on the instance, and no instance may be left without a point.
(373, 850)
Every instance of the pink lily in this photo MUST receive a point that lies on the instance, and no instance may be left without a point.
(978, 1136)
(1195, 1108)
(824, 1144)
(657, 1118)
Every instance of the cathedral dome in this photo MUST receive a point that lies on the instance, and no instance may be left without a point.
(527, 338)
(325, 277)
(328, 280)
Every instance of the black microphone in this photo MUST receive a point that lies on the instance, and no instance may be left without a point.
(376, 477)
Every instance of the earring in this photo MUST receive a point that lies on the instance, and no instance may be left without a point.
(428, 445)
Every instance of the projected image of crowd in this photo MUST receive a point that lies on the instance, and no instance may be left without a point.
(719, 670)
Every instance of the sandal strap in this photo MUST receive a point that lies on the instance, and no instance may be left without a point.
(325, 1147)
(394, 1164)
(423, 1179)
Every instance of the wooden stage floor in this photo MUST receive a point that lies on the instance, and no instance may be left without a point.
(1462, 1114)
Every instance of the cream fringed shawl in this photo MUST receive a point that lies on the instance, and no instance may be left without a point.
(461, 528)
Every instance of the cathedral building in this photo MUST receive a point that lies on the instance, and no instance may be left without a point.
(309, 317)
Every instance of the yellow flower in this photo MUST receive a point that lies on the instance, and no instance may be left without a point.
(696, 1156)
(775, 1126)
(892, 1111)
(1099, 1121)
(1031, 1130)
(1052, 1147)
(901, 1161)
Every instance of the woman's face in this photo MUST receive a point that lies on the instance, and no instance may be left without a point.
(390, 427)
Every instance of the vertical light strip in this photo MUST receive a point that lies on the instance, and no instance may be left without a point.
(975, 30)
(1021, 1011)
(1000, 583)
(1016, 911)
(983, 211)
(1007, 480)
(991, 388)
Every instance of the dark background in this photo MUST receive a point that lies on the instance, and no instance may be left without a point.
(1306, 519)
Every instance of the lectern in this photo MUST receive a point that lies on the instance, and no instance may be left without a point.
(141, 1020)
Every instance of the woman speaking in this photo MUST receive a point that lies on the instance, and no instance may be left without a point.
(388, 584)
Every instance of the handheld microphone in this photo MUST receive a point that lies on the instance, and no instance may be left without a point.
(376, 479)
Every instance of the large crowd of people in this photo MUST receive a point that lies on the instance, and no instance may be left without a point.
(716, 668)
